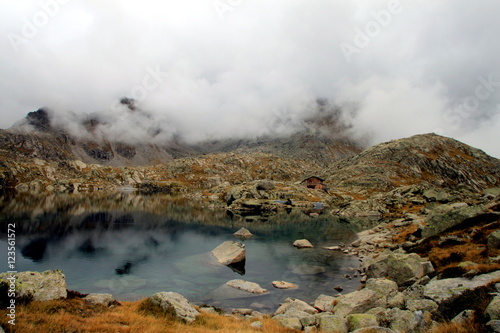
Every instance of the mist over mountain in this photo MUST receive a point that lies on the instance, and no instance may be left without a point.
(249, 69)
(136, 137)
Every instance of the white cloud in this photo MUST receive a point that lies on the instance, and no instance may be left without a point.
(263, 64)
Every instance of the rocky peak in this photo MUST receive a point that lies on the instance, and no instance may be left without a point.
(39, 119)
(129, 102)
(431, 158)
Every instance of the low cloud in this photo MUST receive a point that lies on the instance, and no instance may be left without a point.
(249, 68)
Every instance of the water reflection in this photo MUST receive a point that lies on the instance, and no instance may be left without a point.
(133, 246)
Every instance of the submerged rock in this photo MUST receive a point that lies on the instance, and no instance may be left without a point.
(304, 269)
(333, 248)
(284, 285)
(250, 287)
(230, 252)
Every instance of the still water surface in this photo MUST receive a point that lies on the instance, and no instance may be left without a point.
(133, 246)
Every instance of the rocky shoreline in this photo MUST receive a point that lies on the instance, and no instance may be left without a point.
(404, 287)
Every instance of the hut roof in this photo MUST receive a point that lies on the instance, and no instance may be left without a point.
(321, 179)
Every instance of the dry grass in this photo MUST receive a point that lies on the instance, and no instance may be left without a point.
(404, 233)
(467, 327)
(77, 315)
(444, 256)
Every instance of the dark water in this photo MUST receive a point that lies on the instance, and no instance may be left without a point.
(134, 246)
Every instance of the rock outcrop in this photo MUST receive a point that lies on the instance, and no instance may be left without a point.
(175, 304)
(443, 290)
(441, 161)
(44, 286)
(403, 268)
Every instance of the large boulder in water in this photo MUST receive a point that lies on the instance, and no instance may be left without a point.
(302, 243)
(230, 253)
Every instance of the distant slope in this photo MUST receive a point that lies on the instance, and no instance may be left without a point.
(319, 148)
(322, 139)
(430, 158)
(60, 146)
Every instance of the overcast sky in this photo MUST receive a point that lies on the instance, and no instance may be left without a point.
(221, 68)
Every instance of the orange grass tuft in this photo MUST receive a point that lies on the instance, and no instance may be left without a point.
(443, 257)
(449, 327)
(403, 235)
(76, 315)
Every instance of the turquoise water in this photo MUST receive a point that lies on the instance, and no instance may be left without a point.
(133, 246)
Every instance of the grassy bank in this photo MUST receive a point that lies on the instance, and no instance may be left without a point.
(76, 315)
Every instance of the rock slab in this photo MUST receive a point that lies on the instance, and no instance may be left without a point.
(247, 286)
(442, 290)
(302, 244)
(230, 252)
(284, 285)
(177, 304)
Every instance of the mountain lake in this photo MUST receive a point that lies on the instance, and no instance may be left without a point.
(133, 246)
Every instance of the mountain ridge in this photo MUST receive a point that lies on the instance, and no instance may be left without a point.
(321, 139)
(441, 161)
